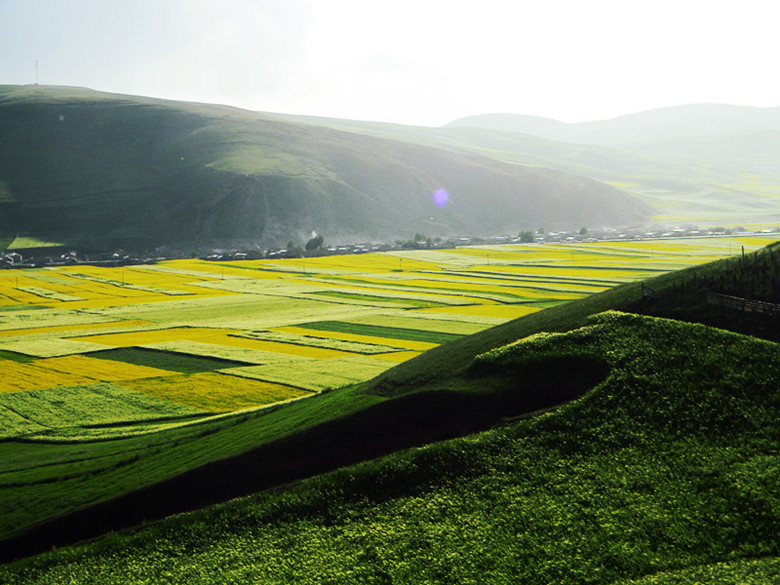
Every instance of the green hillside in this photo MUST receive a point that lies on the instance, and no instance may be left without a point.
(698, 164)
(679, 295)
(98, 170)
(59, 493)
(665, 472)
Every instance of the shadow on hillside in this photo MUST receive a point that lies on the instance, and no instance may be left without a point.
(408, 421)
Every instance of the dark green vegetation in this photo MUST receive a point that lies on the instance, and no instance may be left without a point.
(667, 469)
(383, 331)
(669, 465)
(97, 170)
(165, 360)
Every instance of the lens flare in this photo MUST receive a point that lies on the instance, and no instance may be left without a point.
(440, 197)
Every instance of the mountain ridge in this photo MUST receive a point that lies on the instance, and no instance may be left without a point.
(656, 125)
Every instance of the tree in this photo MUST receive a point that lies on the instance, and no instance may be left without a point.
(583, 230)
(315, 243)
(527, 237)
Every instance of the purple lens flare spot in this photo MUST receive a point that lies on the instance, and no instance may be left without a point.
(440, 197)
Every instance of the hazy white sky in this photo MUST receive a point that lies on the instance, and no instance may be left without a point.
(423, 62)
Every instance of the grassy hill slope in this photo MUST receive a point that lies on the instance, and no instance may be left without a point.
(100, 170)
(667, 470)
(697, 163)
(679, 295)
(427, 399)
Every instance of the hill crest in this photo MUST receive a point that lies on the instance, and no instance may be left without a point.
(657, 125)
(97, 170)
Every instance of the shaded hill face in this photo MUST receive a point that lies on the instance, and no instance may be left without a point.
(97, 170)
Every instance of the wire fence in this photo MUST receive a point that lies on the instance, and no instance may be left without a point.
(744, 305)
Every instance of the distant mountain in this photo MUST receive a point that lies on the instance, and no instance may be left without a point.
(98, 170)
(706, 164)
(694, 121)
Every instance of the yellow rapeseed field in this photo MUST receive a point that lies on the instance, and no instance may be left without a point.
(214, 392)
(100, 370)
(211, 309)
(30, 376)
(146, 337)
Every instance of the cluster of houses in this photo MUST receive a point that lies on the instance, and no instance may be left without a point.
(15, 259)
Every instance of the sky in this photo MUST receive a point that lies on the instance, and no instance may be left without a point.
(421, 62)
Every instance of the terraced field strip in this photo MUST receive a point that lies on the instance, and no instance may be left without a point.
(488, 314)
(126, 285)
(81, 406)
(49, 294)
(180, 362)
(516, 275)
(601, 275)
(377, 300)
(20, 376)
(67, 292)
(224, 352)
(101, 369)
(518, 287)
(68, 370)
(383, 331)
(46, 347)
(458, 295)
(317, 375)
(217, 392)
(410, 320)
(229, 338)
(401, 343)
(314, 341)
(82, 328)
(372, 287)
(236, 312)
(349, 264)
(12, 308)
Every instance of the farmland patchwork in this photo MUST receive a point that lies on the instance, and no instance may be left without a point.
(90, 353)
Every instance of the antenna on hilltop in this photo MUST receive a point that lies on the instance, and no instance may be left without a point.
(36, 72)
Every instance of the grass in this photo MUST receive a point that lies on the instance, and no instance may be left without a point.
(665, 472)
(42, 481)
(316, 375)
(215, 392)
(81, 406)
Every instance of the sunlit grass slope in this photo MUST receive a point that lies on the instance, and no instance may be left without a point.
(665, 472)
(42, 481)
(680, 294)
